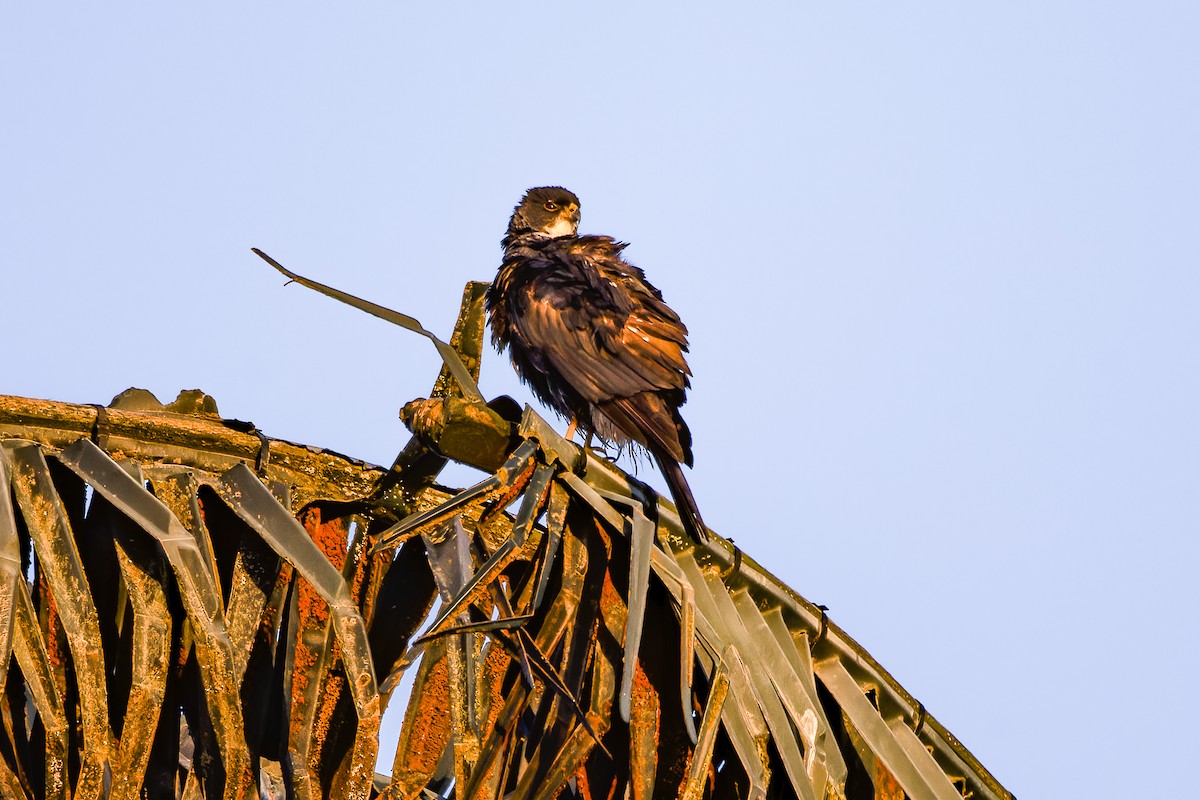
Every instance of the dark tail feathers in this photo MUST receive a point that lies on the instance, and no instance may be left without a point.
(689, 512)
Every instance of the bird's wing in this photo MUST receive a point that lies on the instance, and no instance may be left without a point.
(608, 338)
(651, 420)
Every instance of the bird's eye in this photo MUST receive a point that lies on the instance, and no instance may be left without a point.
(551, 205)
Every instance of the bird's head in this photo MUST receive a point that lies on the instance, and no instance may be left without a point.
(548, 210)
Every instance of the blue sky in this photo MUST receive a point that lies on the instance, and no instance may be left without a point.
(939, 263)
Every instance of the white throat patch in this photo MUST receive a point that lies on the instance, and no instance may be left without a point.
(560, 227)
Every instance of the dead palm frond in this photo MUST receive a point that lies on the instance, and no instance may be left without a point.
(188, 609)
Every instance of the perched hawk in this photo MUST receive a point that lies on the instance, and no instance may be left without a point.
(593, 338)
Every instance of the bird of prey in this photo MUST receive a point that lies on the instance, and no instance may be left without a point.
(593, 338)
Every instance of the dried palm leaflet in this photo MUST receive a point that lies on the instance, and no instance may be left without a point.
(713, 598)
(253, 502)
(449, 356)
(416, 466)
(176, 487)
(12, 577)
(643, 726)
(590, 641)
(875, 732)
(213, 650)
(144, 578)
(782, 665)
(30, 651)
(312, 658)
(699, 765)
(506, 484)
(405, 588)
(59, 560)
(426, 731)
(552, 620)
(522, 647)
(34, 662)
(401, 601)
(450, 558)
